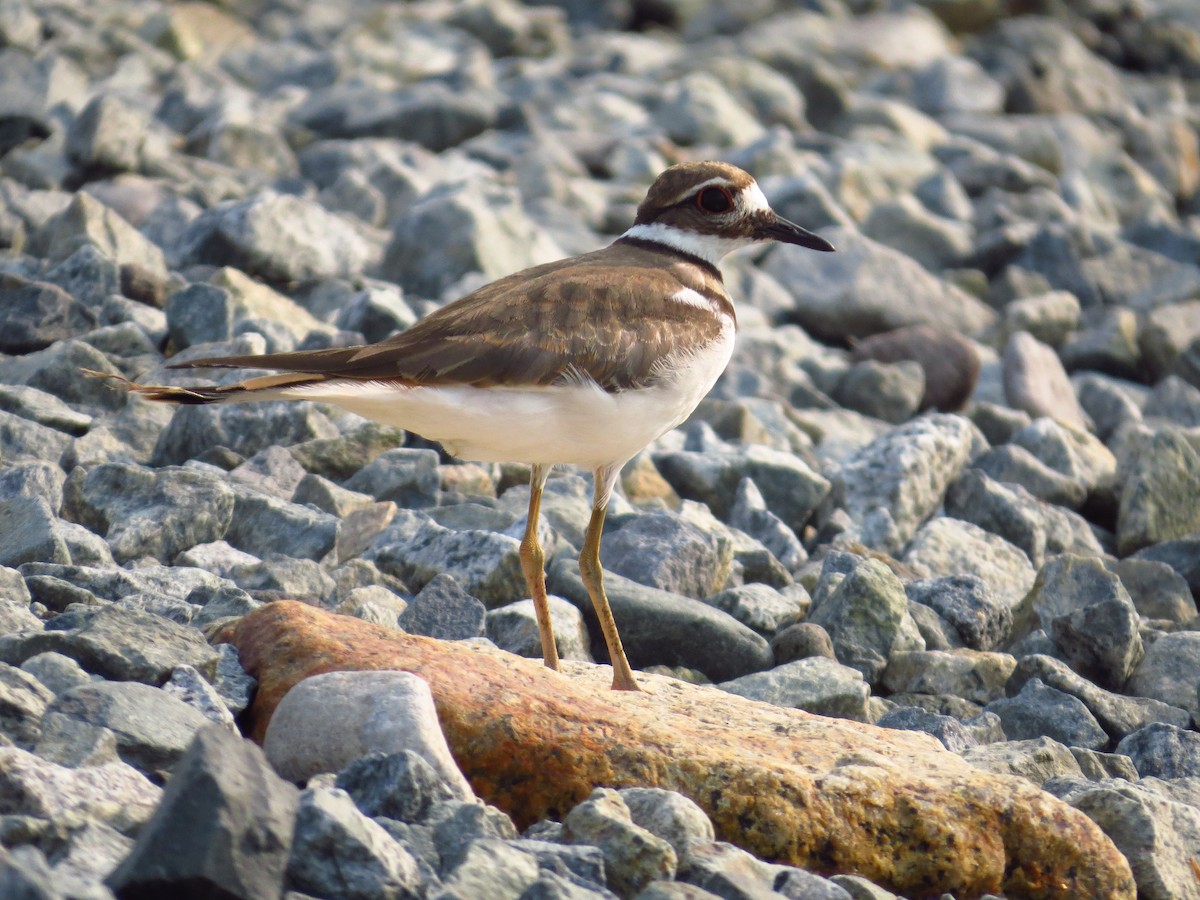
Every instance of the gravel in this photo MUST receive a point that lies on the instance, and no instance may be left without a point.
(954, 466)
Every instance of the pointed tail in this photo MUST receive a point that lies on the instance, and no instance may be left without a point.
(260, 388)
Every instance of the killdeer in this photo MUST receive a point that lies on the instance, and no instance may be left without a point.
(582, 361)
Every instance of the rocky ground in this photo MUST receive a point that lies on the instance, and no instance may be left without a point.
(950, 482)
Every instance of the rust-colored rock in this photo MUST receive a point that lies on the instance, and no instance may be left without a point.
(826, 794)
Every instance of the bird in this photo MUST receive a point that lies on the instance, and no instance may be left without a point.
(584, 361)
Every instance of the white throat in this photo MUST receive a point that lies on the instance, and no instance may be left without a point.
(711, 248)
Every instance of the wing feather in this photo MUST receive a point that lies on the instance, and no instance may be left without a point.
(568, 320)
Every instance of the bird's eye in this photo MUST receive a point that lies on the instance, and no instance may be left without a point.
(714, 200)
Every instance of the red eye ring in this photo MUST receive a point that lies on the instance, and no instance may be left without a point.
(714, 200)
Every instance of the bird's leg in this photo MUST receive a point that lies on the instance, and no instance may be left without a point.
(593, 580)
(533, 564)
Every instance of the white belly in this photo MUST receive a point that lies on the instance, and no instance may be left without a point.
(574, 423)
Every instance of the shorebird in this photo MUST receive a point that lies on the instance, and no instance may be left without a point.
(583, 361)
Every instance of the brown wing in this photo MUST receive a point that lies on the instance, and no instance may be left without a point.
(611, 323)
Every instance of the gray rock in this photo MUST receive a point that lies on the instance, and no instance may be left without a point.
(514, 628)
(1117, 714)
(23, 701)
(337, 851)
(798, 884)
(25, 874)
(339, 456)
(85, 220)
(33, 479)
(1160, 750)
(1175, 400)
(1182, 555)
(578, 863)
(329, 720)
(224, 825)
(751, 516)
(724, 870)
(401, 786)
(888, 391)
(762, 607)
(90, 854)
(27, 439)
(866, 615)
(318, 491)
(114, 793)
(277, 237)
(977, 615)
(57, 672)
(243, 428)
(1014, 514)
(1071, 451)
(429, 113)
(494, 867)
(72, 743)
(1160, 499)
(1036, 760)
(1035, 381)
(804, 640)
(1047, 317)
(29, 531)
(1157, 590)
(816, 684)
(789, 487)
(152, 728)
(457, 825)
(1166, 333)
(1016, 465)
(1157, 835)
(1170, 671)
(143, 512)
(970, 674)
(376, 312)
(1107, 343)
(1109, 402)
(109, 135)
(188, 685)
(415, 549)
(37, 314)
(1100, 640)
(408, 477)
(443, 610)
(674, 890)
(122, 644)
(949, 546)
(953, 736)
(698, 109)
(664, 550)
(894, 483)
(633, 856)
(260, 524)
(830, 301)
(200, 314)
(668, 815)
(44, 408)
(231, 681)
(460, 228)
(660, 628)
(1039, 711)
(1090, 616)
(1098, 766)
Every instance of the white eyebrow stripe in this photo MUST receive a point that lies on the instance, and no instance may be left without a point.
(718, 181)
